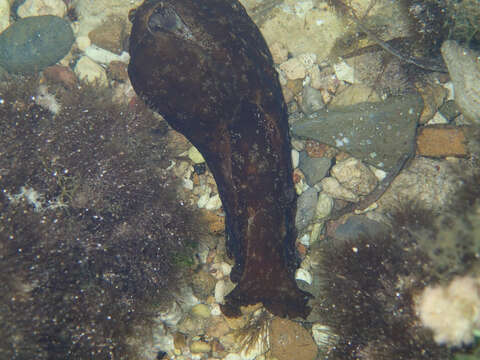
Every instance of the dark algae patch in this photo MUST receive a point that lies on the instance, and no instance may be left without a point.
(206, 68)
(90, 226)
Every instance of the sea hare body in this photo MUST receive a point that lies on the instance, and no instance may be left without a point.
(205, 67)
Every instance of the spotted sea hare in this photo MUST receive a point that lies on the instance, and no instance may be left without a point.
(206, 68)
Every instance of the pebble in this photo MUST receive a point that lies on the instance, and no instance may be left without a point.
(293, 69)
(4, 14)
(441, 141)
(323, 336)
(279, 52)
(61, 75)
(90, 72)
(324, 206)
(31, 44)
(200, 347)
(433, 95)
(214, 203)
(312, 100)
(103, 56)
(201, 310)
(195, 155)
(295, 158)
(109, 35)
(304, 275)
(379, 134)
(355, 94)
(464, 69)
(333, 188)
(42, 7)
(306, 204)
(344, 72)
(314, 169)
(354, 176)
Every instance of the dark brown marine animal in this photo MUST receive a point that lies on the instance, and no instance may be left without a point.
(205, 67)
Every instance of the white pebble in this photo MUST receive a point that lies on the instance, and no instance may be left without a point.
(214, 203)
(304, 275)
(103, 56)
(188, 184)
(202, 201)
(344, 72)
(332, 187)
(295, 158)
(305, 240)
(220, 287)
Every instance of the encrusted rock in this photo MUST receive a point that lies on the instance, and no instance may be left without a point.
(289, 340)
(355, 176)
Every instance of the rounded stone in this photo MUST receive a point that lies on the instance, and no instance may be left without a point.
(33, 43)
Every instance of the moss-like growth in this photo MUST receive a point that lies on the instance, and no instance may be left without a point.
(89, 228)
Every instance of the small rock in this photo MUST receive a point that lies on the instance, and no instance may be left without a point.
(306, 204)
(323, 336)
(103, 56)
(308, 59)
(332, 187)
(195, 155)
(359, 225)
(311, 100)
(317, 150)
(293, 69)
(279, 52)
(344, 72)
(449, 110)
(295, 158)
(433, 96)
(201, 310)
(109, 35)
(354, 94)
(314, 169)
(289, 340)
(200, 347)
(214, 203)
(42, 7)
(203, 284)
(90, 72)
(464, 70)
(4, 14)
(441, 141)
(61, 75)
(117, 70)
(324, 206)
(303, 275)
(354, 176)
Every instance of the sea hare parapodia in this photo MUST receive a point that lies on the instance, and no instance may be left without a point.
(206, 68)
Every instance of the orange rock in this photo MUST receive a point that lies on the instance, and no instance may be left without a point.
(441, 141)
(216, 223)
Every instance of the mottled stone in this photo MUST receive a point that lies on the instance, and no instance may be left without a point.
(380, 134)
(109, 35)
(306, 204)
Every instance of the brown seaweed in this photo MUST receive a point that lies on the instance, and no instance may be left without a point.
(206, 68)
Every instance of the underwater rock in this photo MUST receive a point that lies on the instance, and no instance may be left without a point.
(464, 69)
(206, 68)
(31, 44)
(380, 134)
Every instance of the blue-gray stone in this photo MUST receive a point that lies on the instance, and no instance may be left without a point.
(314, 169)
(381, 134)
(306, 205)
(33, 43)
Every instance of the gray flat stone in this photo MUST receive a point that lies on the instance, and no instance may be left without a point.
(380, 134)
